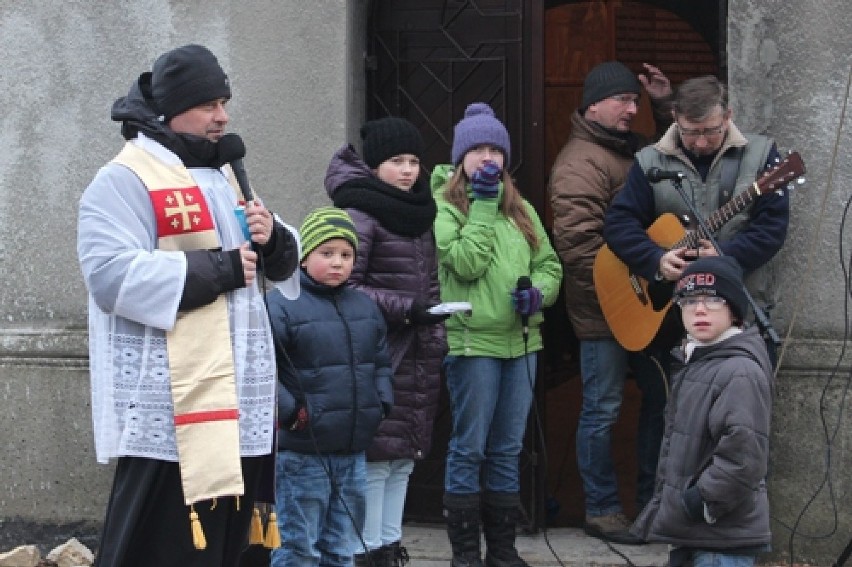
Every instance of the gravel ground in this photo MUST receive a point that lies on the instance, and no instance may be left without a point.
(14, 533)
(427, 545)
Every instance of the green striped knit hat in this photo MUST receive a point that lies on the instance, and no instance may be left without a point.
(323, 224)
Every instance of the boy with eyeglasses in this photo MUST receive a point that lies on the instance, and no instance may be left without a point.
(710, 502)
(718, 162)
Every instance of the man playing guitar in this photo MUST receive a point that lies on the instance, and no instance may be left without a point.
(715, 158)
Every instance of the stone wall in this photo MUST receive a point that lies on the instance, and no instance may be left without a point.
(64, 65)
(789, 71)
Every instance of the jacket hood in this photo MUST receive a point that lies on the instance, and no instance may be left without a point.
(136, 111)
(345, 165)
(441, 175)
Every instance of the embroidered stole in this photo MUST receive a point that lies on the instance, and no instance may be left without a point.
(201, 363)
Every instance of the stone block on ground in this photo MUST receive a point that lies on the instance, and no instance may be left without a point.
(22, 556)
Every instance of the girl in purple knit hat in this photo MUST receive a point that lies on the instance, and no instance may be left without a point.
(493, 252)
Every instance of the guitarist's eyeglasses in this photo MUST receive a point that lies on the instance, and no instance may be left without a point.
(711, 302)
(706, 132)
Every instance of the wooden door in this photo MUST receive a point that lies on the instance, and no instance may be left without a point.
(427, 59)
(578, 36)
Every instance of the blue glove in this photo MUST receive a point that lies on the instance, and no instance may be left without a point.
(527, 301)
(485, 181)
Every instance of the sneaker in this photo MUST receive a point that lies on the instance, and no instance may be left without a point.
(612, 527)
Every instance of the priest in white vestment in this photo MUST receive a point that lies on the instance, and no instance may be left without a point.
(182, 360)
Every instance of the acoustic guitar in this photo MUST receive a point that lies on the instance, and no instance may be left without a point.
(623, 296)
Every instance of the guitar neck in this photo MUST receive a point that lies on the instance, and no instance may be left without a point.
(721, 216)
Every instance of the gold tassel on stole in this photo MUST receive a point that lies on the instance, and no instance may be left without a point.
(198, 538)
(273, 536)
(256, 528)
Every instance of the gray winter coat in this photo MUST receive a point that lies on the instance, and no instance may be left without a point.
(715, 450)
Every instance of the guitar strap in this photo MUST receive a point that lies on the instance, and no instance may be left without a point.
(660, 293)
(730, 171)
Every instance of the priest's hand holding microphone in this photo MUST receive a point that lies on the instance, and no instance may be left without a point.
(256, 219)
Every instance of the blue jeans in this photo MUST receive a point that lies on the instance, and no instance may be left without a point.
(716, 559)
(387, 483)
(490, 400)
(319, 520)
(603, 366)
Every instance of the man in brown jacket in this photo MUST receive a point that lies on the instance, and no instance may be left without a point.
(586, 175)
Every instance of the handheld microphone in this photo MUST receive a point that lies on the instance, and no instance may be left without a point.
(524, 282)
(655, 175)
(232, 150)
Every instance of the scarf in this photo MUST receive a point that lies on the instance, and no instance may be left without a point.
(401, 212)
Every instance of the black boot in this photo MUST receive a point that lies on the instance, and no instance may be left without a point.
(375, 558)
(462, 513)
(500, 514)
(395, 555)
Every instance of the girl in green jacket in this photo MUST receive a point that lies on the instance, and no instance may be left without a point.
(494, 253)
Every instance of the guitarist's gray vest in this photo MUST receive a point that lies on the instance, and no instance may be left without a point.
(709, 195)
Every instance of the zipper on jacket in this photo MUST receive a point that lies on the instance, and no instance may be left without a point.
(352, 372)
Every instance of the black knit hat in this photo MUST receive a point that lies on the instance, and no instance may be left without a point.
(607, 79)
(715, 275)
(186, 77)
(388, 137)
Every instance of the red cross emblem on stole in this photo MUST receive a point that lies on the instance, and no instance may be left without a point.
(180, 211)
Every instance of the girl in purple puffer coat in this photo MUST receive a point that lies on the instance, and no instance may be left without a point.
(396, 264)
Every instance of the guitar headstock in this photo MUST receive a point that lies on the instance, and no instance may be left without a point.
(785, 174)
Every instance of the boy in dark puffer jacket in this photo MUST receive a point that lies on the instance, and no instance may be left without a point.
(710, 501)
(335, 388)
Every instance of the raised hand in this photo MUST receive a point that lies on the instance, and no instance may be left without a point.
(655, 82)
(485, 181)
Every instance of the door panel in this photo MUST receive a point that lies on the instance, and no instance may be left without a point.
(428, 59)
(578, 36)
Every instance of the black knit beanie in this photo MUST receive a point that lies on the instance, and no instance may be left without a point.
(388, 137)
(186, 77)
(607, 79)
(715, 275)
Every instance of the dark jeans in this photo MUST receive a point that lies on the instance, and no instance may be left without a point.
(603, 367)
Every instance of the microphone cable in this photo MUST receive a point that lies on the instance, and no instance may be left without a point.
(233, 149)
(828, 436)
(544, 459)
(539, 432)
(335, 488)
(542, 440)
